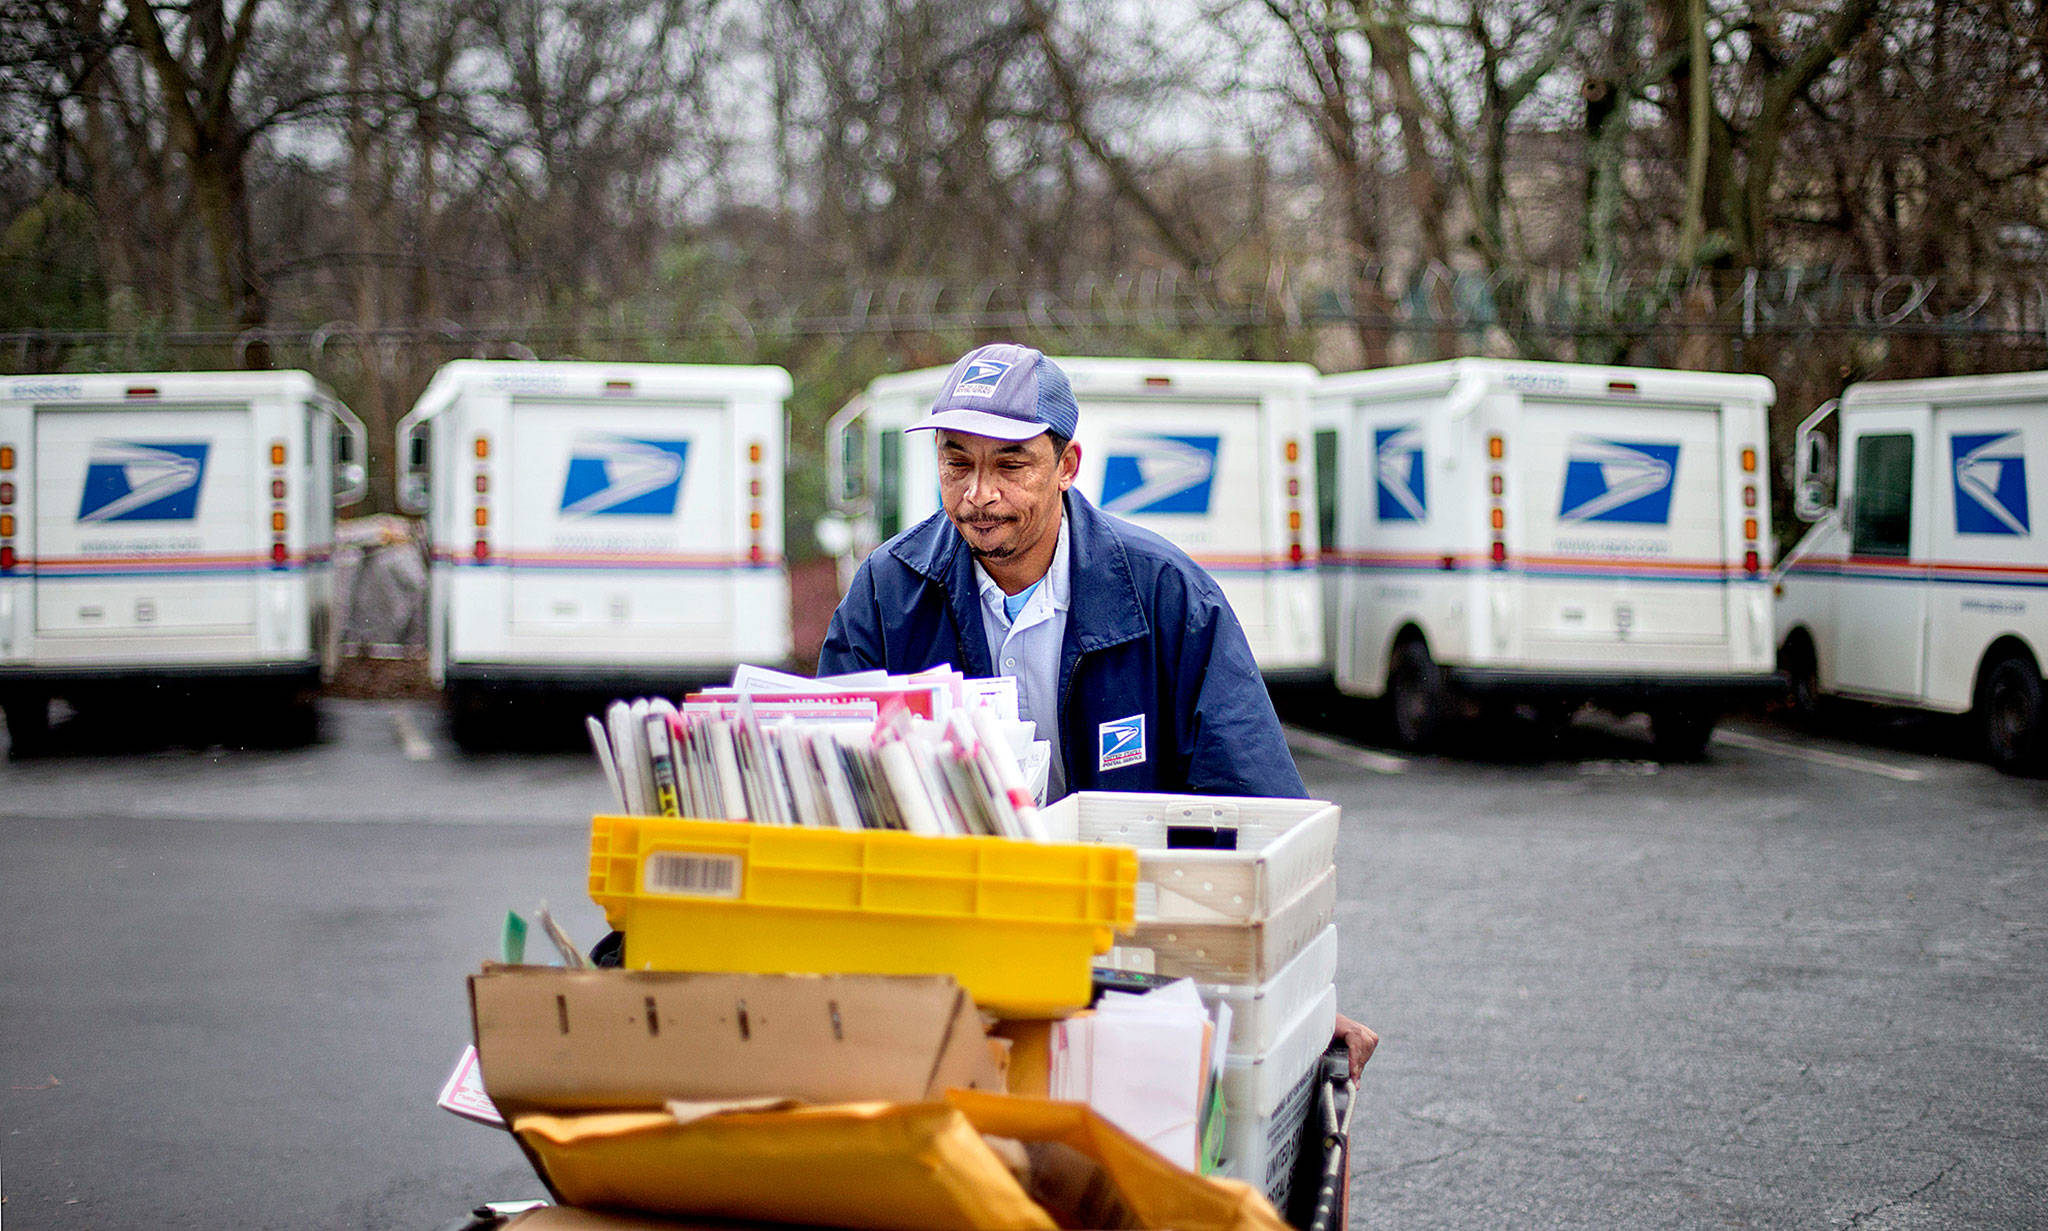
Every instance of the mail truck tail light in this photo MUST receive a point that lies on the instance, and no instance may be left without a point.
(1297, 552)
(1497, 488)
(280, 547)
(757, 520)
(1752, 555)
(480, 511)
(7, 557)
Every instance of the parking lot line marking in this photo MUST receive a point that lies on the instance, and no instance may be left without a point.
(410, 739)
(1817, 756)
(1350, 754)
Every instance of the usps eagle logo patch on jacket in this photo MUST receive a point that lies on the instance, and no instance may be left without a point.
(1121, 742)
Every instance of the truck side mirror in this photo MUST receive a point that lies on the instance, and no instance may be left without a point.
(833, 534)
(348, 472)
(1813, 493)
(413, 485)
(853, 470)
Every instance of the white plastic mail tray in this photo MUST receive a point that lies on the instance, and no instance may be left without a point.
(1229, 952)
(1207, 858)
(1255, 1085)
(1261, 1012)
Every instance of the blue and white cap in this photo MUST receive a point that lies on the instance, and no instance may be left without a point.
(1007, 391)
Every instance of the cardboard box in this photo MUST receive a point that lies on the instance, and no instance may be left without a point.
(588, 1066)
(561, 1041)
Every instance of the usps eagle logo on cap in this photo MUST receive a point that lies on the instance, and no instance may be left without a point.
(1121, 742)
(981, 378)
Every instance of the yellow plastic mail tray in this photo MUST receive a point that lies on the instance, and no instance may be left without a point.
(1016, 923)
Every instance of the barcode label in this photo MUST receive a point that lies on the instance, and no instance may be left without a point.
(697, 876)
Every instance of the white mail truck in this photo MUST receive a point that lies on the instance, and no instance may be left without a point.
(1211, 455)
(1923, 582)
(613, 528)
(168, 533)
(1547, 535)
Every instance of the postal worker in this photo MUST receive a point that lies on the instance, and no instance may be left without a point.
(1126, 654)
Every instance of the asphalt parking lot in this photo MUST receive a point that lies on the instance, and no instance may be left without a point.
(1797, 984)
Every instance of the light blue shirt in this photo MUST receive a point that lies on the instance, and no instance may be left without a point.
(1028, 648)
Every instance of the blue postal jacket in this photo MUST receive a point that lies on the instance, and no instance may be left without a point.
(1149, 636)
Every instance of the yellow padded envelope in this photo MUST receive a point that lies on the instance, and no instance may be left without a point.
(1154, 1191)
(879, 1166)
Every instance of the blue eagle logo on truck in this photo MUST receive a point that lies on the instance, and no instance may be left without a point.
(616, 476)
(1397, 460)
(128, 480)
(1619, 481)
(1991, 483)
(1159, 474)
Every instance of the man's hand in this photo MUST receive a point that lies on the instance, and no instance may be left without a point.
(1358, 1040)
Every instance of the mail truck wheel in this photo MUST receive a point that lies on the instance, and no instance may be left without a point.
(1681, 734)
(2010, 708)
(28, 723)
(1417, 695)
(1801, 668)
(470, 720)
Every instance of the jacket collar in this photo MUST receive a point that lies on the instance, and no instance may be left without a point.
(1105, 609)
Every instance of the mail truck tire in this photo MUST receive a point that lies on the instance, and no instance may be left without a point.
(1418, 697)
(1801, 668)
(470, 722)
(2010, 709)
(1681, 734)
(28, 723)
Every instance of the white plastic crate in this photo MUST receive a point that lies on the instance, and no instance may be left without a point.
(1280, 847)
(1244, 953)
(1261, 1012)
(1266, 1097)
(1262, 1150)
(1256, 1085)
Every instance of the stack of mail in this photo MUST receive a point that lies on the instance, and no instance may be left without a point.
(932, 753)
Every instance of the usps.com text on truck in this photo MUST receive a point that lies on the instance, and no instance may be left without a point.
(168, 533)
(1547, 535)
(1210, 455)
(598, 527)
(1924, 581)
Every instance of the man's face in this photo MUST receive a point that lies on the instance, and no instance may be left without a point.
(1004, 495)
